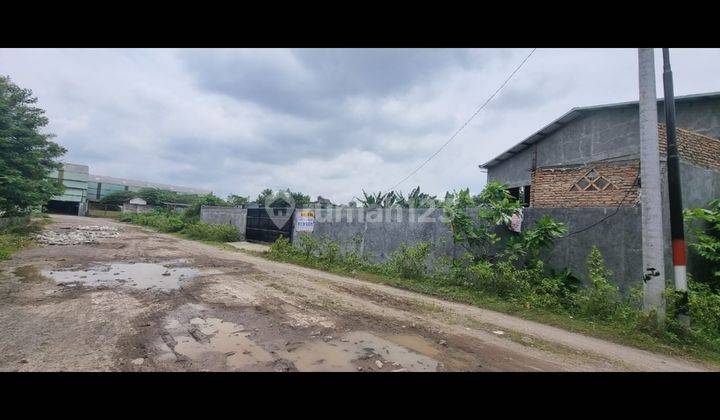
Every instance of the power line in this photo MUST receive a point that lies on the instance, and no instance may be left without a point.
(466, 122)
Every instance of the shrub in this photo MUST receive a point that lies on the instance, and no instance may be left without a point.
(322, 252)
(207, 232)
(160, 220)
(409, 261)
(308, 245)
(706, 226)
(328, 251)
(125, 217)
(353, 258)
(477, 275)
(602, 298)
(704, 307)
(281, 248)
(474, 221)
(14, 236)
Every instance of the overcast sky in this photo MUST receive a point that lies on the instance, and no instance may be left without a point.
(328, 122)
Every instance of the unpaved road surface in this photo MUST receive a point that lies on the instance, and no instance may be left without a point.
(144, 301)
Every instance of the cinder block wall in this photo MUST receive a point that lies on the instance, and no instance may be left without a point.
(618, 238)
(377, 233)
(225, 215)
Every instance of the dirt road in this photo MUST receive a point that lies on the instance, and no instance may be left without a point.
(144, 301)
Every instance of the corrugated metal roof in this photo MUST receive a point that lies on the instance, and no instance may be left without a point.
(572, 115)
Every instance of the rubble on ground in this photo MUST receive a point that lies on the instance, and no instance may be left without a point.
(76, 235)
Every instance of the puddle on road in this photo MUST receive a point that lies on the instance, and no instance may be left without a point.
(137, 275)
(216, 344)
(338, 355)
(218, 336)
(415, 343)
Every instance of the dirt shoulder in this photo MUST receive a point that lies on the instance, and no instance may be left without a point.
(148, 301)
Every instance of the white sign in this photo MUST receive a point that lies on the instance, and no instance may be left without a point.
(305, 221)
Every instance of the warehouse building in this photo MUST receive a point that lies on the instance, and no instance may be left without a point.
(83, 188)
(99, 186)
(74, 199)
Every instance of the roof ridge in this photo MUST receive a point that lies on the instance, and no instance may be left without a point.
(562, 120)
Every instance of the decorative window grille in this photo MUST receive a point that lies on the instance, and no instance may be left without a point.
(592, 181)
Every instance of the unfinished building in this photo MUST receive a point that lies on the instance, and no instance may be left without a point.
(585, 165)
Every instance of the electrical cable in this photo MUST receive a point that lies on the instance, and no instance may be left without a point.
(480, 108)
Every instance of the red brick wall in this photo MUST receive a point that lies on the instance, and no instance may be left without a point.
(554, 187)
(693, 147)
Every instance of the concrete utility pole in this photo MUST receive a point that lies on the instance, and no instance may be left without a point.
(677, 228)
(650, 195)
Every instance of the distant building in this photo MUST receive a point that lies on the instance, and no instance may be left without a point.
(99, 186)
(73, 200)
(82, 188)
(322, 203)
(135, 205)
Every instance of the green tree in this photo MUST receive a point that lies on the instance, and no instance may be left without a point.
(193, 212)
(416, 199)
(118, 197)
(379, 200)
(282, 198)
(151, 195)
(237, 200)
(264, 195)
(26, 155)
(301, 200)
(474, 221)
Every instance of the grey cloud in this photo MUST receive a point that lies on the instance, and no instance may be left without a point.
(235, 121)
(314, 85)
(312, 82)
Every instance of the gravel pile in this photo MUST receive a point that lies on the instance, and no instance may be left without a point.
(76, 235)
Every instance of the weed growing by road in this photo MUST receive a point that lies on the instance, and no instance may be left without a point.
(705, 224)
(592, 305)
(409, 261)
(506, 274)
(207, 232)
(15, 236)
(169, 222)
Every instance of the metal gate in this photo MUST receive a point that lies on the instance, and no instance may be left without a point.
(263, 227)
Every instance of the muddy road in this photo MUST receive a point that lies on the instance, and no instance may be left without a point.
(137, 300)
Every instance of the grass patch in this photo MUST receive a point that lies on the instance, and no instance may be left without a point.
(16, 236)
(184, 226)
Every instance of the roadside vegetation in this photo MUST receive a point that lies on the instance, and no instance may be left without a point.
(27, 156)
(186, 224)
(15, 236)
(503, 272)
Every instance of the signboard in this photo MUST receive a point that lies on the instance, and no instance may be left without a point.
(305, 221)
